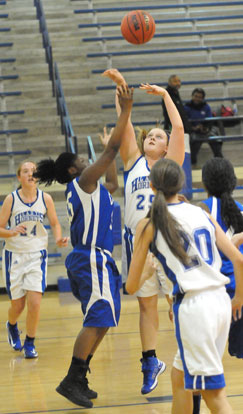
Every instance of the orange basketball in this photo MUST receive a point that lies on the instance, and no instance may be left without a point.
(138, 27)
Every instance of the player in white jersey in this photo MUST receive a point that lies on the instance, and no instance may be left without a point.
(25, 253)
(94, 278)
(185, 240)
(138, 160)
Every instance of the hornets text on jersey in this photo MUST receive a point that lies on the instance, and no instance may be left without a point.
(30, 215)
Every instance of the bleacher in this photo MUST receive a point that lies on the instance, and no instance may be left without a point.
(200, 41)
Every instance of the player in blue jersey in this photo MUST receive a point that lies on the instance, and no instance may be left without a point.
(219, 181)
(94, 278)
(25, 253)
(138, 158)
(185, 240)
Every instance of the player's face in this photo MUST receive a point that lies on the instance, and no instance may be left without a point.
(25, 176)
(80, 164)
(156, 143)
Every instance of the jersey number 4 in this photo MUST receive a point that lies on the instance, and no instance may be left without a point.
(32, 232)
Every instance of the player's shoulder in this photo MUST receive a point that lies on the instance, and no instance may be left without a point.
(46, 197)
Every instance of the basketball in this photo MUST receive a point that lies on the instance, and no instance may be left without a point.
(138, 27)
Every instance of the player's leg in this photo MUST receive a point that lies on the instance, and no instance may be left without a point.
(12, 271)
(32, 319)
(87, 341)
(14, 311)
(182, 402)
(34, 284)
(152, 367)
(101, 310)
(196, 402)
(75, 385)
(33, 312)
(216, 401)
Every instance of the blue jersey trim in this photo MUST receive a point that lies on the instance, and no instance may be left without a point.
(43, 199)
(169, 273)
(28, 204)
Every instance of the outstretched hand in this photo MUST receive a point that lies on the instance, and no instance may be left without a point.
(125, 97)
(153, 89)
(115, 76)
(105, 138)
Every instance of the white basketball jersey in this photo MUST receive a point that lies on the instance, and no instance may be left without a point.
(138, 193)
(203, 271)
(30, 215)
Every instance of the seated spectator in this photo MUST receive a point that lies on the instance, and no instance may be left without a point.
(198, 109)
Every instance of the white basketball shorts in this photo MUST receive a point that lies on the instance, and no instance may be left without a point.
(23, 272)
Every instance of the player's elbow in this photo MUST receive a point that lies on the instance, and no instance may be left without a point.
(129, 288)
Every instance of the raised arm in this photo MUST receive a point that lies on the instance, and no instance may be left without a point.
(111, 180)
(92, 173)
(129, 150)
(176, 147)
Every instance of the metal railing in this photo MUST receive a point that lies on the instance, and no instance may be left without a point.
(45, 38)
(66, 126)
(57, 90)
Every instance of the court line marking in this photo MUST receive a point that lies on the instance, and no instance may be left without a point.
(166, 399)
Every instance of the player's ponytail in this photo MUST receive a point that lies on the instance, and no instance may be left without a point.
(167, 177)
(49, 170)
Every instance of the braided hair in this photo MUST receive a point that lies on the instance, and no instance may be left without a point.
(219, 180)
(49, 170)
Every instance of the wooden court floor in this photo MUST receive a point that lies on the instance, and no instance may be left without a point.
(28, 386)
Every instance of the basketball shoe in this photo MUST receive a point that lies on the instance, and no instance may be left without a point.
(75, 391)
(29, 349)
(13, 336)
(152, 367)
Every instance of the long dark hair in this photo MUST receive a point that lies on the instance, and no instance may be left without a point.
(167, 177)
(219, 180)
(49, 170)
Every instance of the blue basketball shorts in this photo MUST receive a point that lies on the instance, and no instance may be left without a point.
(95, 282)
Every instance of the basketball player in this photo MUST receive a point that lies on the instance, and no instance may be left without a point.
(185, 240)
(219, 181)
(138, 198)
(25, 253)
(94, 278)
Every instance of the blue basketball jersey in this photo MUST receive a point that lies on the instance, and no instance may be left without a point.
(203, 271)
(90, 216)
(214, 206)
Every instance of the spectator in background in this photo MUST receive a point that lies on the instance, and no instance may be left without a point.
(174, 84)
(198, 109)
